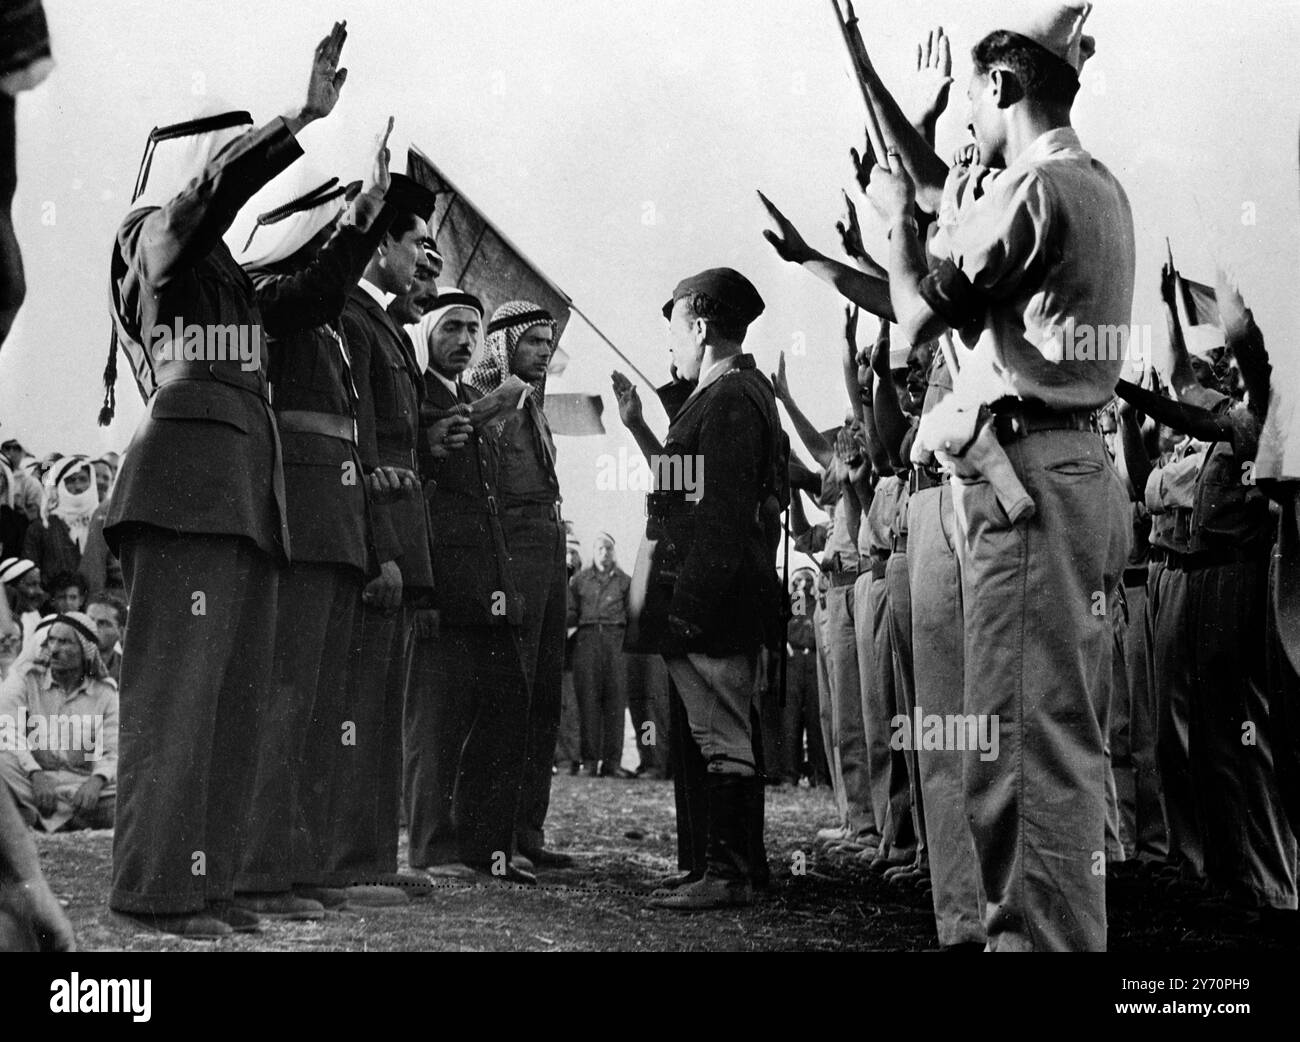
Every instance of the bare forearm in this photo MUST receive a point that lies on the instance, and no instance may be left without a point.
(868, 292)
(926, 169)
(646, 441)
(1131, 459)
(820, 449)
(907, 269)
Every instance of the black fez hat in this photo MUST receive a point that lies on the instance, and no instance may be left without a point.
(725, 285)
(410, 196)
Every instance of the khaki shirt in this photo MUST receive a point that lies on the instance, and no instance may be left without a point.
(1036, 275)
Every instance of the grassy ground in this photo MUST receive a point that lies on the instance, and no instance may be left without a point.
(622, 834)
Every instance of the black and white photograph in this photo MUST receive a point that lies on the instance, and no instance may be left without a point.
(755, 475)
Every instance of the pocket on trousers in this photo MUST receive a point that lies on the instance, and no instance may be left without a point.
(1076, 468)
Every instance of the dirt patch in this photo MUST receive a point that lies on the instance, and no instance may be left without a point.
(622, 833)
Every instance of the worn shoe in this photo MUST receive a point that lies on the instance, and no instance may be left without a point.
(614, 771)
(454, 870)
(331, 898)
(543, 859)
(369, 895)
(520, 861)
(193, 926)
(280, 906)
(669, 884)
(574, 767)
(836, 834)
(708, 893)
(238, 919)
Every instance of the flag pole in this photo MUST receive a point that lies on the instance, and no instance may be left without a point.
(610, 344)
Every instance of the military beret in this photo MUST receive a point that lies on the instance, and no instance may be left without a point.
(410, 196)
(725, 285)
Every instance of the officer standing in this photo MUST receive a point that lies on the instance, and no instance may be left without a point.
(726, 599)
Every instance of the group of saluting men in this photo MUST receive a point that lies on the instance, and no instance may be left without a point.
(1053, 623)
(1056, 615)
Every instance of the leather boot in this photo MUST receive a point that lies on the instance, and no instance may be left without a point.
(726, 882)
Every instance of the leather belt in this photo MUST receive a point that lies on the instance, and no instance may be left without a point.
(249, 380)
(843, 577)
(602, 625)
(1015, 418)
(543, 511)
(1218, 556)
(330, 425)
(900, 542)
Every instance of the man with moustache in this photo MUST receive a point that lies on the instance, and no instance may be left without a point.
(389, 387)
(466, 722)
(520, 342)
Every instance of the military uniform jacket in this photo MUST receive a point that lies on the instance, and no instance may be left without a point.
(312, 383)
(205, 458)
(726, 583)
(389, 389)
(470, 577)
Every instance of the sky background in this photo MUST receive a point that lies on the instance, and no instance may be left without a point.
(620, 146)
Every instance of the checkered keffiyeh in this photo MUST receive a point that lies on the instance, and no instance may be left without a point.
(509, 322)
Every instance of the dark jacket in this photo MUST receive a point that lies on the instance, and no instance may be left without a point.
(598, 597)
(311, 382)
(204, 459)
(726, 582)
(389, 389)
(51, 549)
(469, 550)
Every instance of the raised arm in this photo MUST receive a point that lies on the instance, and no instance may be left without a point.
(919, 159)
(1192, 420)
(820, 449)
(629, 411)
(316, 293)
(868, 292)
(1131, 459)
(167, 240)
(891, 423)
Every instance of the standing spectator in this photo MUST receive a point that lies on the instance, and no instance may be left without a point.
(58, 540)
(598, 607)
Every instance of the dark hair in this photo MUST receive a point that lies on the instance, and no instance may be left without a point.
(404, 222)
(113, 601)
(1042, 75)
(60, 581)
(728, 324)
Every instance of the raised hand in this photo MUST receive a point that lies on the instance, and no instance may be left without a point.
(629, 401)
(892, 192)
(326, 77)
(932, 82)
(779, 382)
(967, 155)
(851, 232)
(851, 328)
(862, 164)
(786, 240)
(379, 180)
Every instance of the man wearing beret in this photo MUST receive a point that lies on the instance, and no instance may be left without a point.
(1034, 239)
(726, 599)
